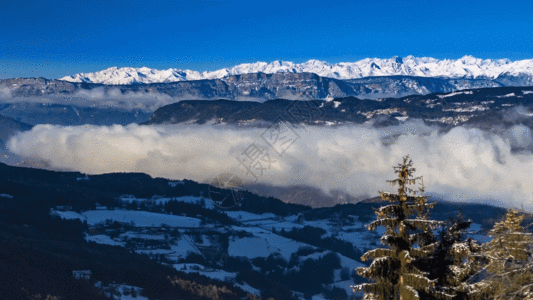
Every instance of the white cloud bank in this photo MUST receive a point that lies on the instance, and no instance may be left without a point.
(463, 164)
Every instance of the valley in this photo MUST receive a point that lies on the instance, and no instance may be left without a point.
(174, 224)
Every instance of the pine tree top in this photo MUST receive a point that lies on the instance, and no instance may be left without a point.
(405, 171)
(407, 202)
(395, 270)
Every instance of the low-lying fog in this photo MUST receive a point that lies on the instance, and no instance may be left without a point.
(462, 164)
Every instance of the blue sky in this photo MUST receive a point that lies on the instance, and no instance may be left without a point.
(57, 38)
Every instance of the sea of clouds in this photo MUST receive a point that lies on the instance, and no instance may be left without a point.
(461, 164)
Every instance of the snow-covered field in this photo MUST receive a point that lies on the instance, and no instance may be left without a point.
(139, 218)
(262, 244)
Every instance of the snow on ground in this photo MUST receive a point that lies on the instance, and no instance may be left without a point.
(178, 250)
(475, 228)
(245, 287)
(506, 96)
(103, 239)
(475, 231)
(262, 244)
(211, 273)
(204, 241)
(130, 198)
(182, 248)
(315, 256)
(346, 285)
(527, 92)
(140, 218)
(350, 263)
(291, 218)
(401, 119)
(363, 240)
(69, 215)
(455, 94)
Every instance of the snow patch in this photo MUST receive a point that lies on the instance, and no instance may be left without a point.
(455, 94)
(402, 119)
(507, 96)
(68, 215)
(103, 239)
(140, 218)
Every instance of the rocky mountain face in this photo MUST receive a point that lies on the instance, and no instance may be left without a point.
(253, 87)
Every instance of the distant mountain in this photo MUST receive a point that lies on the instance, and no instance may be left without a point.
(465, 67)
(252, 87)
(488, 108)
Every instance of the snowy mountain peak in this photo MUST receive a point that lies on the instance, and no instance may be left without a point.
(465, 67)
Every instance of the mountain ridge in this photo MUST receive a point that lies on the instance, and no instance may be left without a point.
(252, 87)
(465, 67)
(487, 108)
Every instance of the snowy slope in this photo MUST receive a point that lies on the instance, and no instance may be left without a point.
(465, 67)
(139, 218)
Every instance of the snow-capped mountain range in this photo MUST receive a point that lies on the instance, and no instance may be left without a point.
(465, 67)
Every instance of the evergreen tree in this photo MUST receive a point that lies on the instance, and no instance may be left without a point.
(394, 270)
(510, 266)
(455, 260)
